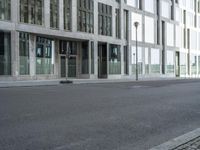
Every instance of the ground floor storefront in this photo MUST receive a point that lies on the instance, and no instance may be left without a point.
(29, 56)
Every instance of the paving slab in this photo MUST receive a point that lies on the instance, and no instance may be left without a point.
(188, 141)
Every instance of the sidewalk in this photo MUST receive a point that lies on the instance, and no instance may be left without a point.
(189, 141)
(5, 84)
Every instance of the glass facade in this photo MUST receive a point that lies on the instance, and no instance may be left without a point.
(170, 62)
(85, 16)
(140, 60)
(5, 53)
(5, 10)
(117, 23)
(114, 59)
(149, 5)
(136, 17)
(183, 63)
(54, 14)
(31, 11)
(24, 53)
(105, 19)
(155, 60)
(85, 60)
(43, 55)
(193, 64)
(149, 29)
(146, 60)
(67, 14)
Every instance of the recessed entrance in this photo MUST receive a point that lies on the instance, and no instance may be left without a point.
(102, 60)
(71, 67)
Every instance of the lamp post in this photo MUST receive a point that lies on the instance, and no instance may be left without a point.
(136, 24)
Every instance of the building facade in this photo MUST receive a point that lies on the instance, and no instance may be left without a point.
(99, 38)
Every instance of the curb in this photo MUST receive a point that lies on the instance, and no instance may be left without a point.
(176, 142)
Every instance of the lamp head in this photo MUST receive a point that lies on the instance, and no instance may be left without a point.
(136, 24)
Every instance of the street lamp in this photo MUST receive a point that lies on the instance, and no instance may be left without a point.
(136, 24)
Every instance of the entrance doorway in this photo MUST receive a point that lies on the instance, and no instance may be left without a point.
(177, 64)
(102, 60)
(71, 67)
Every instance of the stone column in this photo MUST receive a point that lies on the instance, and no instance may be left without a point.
(15, 53)
(96, 58)
(32, 53)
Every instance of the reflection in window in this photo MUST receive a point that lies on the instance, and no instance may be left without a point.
(54, 13)
(114, 59)
(85, 56)
(155, 60)
(105, 19)
(67, 14)
(86, 16)
(24, 53)
(4, 9)
(183, 63)
(43, 56)
(146, 61)
(5, 54)
(170, 62)
(140, 61)
(31, 11)
(193, 63)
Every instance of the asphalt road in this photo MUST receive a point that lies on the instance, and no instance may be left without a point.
(114, 116)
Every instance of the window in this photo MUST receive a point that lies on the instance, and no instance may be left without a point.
(183, 63)
(85, 56)
(5, 53)
(138, 18)
(155, 60)
(166, 9)
(149, 29)
(114, 59)
(43, 55)
(140, 61)
(146, 61)
(24, 53)
(126, 24)
(134, 3)
(67, 14)
(85, 16)
(193, 63)
(54, 14)
(5, 10)
(149, 6)
(92, 57)
(170, 34)
(126, 59)
(31, 11)
(105, 19)
(117, 27)
(170, 62)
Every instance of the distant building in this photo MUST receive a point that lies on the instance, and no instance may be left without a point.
(100, 38)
